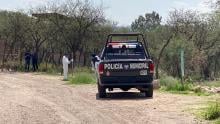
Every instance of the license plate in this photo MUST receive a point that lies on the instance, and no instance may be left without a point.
(143, 72)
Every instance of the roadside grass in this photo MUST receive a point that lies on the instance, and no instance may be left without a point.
(82, 75)
(49, 69)
(43, 68)
(211, 112)
(211, 83)
(217, 121)
(80, 78)
(200, 92)
(77, 76)
(169, 83)
(173, 85)
(82, 69)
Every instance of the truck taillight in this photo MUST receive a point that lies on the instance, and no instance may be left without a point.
(101, 68)
(151, 68)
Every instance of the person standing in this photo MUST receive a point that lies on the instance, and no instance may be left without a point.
(27, 57)
(35, 61)
(95, 59)
(66, 62)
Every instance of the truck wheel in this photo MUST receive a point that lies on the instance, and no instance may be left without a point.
(101, 91)
(149, 92)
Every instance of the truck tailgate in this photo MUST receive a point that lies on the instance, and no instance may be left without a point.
(126, 69)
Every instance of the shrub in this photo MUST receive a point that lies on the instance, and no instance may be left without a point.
(20, 68)
(83, 69)
(171, 84)
(82, 78)
(212, 111)
(168, 81)
(49, 68)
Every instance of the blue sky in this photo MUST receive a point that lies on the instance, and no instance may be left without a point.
(124, 11)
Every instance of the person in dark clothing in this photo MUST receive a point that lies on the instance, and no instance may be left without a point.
(27, 57)
(35, 61)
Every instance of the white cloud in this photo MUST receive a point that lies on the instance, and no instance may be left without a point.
(203, 6)
(36, 3)
(33, 2)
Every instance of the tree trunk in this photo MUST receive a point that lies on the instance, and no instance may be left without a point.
(85, 59)
(80, 57)
(160, 55)
(3, 56)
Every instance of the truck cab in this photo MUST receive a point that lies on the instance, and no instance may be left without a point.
(124, 63)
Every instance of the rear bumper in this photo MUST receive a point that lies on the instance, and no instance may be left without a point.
(127, 85)
(133, 81)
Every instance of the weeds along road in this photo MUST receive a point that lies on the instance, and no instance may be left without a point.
(40, 99)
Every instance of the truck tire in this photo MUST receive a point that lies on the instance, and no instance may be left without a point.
(149, 92)
(101, 91)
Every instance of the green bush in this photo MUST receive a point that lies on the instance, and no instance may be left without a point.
(212, 111)
(48, 68)
(168, 81)
(83, 69)
(83, 78)
(171, 84)
(20, 68)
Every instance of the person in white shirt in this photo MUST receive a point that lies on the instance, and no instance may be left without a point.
(94, 61)
(66, 62)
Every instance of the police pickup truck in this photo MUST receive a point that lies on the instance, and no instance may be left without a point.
(124, 63)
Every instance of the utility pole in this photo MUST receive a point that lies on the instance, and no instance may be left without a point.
(182, 64)
(72, 63)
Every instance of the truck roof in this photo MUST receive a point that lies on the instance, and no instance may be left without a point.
(126, 34)
(125, 41)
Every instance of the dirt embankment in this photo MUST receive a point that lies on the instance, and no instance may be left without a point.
(39, 99)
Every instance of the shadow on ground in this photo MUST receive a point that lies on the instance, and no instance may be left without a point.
(124, 96)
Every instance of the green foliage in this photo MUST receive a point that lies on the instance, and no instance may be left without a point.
(168, 81)
(171, 84)
(48, 68)
(146, 23)
(212, 111)
(20, 68)
(174, 85)
(198, 91)
(83, 78)
(211, 83)
(83, 69)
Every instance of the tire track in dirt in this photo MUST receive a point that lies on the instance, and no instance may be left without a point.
(30, 98)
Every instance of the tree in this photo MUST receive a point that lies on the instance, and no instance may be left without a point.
(13, 33)
(146, 23)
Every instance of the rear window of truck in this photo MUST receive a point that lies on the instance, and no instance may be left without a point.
(124, 51)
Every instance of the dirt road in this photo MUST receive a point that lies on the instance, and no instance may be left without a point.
(39, 99)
